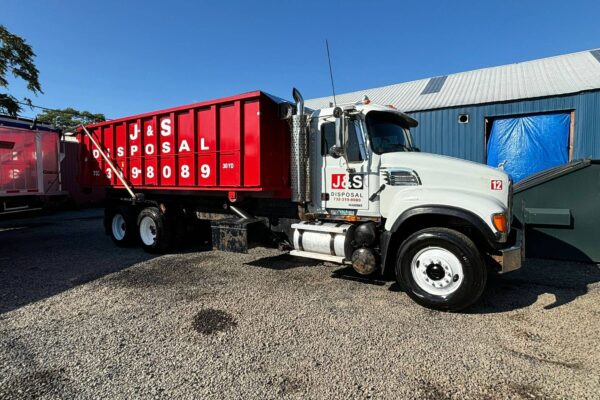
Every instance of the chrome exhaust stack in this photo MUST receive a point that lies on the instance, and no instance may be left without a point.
(299, 165)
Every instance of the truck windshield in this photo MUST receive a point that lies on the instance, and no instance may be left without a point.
(387, 133)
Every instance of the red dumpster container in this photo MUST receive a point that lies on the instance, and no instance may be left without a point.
(30, 173)
(233, 144)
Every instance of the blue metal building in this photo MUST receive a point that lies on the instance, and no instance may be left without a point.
(540, 113)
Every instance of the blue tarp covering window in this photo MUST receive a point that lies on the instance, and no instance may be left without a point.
(527, 145)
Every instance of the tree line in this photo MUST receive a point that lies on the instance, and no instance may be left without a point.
(18, 58)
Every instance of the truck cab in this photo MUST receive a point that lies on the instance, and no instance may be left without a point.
(433, 221)
(380, 172)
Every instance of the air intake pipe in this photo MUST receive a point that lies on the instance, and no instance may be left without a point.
(299, 165)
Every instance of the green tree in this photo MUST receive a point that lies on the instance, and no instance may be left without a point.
(16, 57)
(68, 119)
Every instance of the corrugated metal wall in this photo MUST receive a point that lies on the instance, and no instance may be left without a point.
(439, 131)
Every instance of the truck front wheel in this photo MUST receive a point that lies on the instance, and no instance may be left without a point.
(441, 268)
(156, 233)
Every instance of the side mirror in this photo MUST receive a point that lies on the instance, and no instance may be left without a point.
(341, 128)
(341, 134)
(335, 151)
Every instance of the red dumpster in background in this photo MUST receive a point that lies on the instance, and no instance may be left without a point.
(234, 144)
(71, 176)
(29, 165)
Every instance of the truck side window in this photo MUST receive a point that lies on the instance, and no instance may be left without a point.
(327, 137)
(356, 147)
(354, 150)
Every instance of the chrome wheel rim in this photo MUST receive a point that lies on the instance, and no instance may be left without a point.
(437, 271)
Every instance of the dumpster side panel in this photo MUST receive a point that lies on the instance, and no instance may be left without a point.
(232, 144)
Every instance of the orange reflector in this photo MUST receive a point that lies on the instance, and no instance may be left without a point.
(499, 221)
(351, 218)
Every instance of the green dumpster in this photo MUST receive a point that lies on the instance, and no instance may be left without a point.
(559, 211)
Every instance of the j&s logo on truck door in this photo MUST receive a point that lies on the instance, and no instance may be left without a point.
(346, 181)
(347, 191)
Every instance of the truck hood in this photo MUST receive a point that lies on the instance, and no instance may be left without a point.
(453, 174)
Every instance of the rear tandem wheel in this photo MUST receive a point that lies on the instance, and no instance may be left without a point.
(155, 230)
(119, 223)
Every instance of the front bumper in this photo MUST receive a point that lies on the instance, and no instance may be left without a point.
(510, 259)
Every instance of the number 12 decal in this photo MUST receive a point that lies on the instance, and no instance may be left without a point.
(496, 184)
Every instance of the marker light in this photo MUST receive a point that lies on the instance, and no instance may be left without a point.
(499, 221)
(366, 100)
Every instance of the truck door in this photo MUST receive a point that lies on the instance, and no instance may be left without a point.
(345, 188)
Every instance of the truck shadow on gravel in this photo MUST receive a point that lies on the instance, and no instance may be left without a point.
(349, 274)
(565, 280)
(34, 277)
(50, 383)
(283, 262)
(43, 256)
(173, 270)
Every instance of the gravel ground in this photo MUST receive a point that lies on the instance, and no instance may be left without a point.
(80, 318)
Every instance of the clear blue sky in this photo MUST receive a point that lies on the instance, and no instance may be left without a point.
(126, 57)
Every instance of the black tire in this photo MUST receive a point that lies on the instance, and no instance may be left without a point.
(120, 225)
(160, 227)
(474, 271)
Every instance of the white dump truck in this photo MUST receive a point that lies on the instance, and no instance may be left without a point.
(344, 184)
